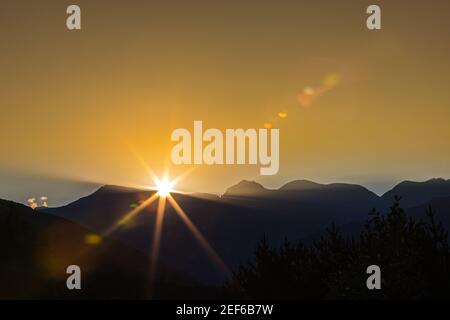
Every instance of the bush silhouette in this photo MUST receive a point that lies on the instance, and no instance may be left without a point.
(413, 257)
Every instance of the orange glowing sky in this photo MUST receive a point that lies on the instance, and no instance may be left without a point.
(74, 104)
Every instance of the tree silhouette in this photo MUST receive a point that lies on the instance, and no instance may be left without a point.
(413, 257)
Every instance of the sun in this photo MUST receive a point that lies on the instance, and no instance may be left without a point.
(164, 187)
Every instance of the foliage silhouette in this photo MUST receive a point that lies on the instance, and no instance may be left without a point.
(413, 257)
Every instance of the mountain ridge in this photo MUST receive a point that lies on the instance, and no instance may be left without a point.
(304, 184)
(234, 222)
(37, 248)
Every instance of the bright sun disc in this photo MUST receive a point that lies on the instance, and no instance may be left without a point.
(164, 187)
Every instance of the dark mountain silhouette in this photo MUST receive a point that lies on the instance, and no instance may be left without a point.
(235, 222)
(416, 193)
(247, 188)
(232, 223)
(312, 205)
(219, 222)
(412, 193)
(36, 248)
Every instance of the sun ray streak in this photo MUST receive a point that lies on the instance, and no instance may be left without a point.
(182, 176)
(157, 237)
(144, 164)
(132, 213)
(198, 235)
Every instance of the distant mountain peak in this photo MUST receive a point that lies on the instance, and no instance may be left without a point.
(301, 185)
(245, 188)
(416, 193)
(433, 182)
(307, 185)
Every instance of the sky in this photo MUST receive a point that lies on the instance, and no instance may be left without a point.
(80, 108)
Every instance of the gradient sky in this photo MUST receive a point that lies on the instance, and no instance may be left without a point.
(74, 103)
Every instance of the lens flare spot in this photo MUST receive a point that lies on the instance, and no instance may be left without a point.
(331, 80)
(305, 100)
(282, 115)
(308, 91)
(267, 125)
(92, 239)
